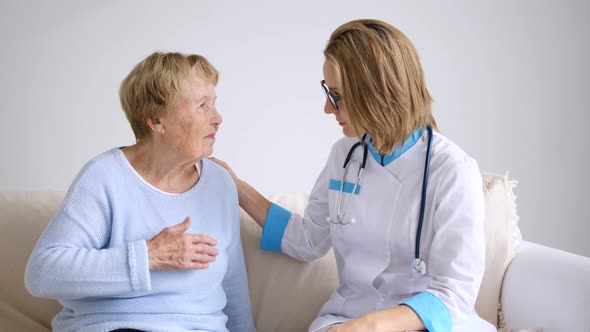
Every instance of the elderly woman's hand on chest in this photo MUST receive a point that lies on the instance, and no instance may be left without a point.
(173, 249)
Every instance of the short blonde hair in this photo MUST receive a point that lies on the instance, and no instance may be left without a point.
(155, 85)
(381, 81)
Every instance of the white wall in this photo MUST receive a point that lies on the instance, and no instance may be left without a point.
(510, 80)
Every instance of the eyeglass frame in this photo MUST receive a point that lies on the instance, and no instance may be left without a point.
(333, 99)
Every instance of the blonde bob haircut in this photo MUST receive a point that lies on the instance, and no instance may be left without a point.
(157, 84)
(381, 82)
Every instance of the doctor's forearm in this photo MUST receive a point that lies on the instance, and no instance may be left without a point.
(400, 318)
(253, 202)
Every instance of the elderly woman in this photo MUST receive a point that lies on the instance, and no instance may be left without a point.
(148, 237)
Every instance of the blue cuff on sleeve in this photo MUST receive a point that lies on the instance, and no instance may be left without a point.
(432, 311)
(274, 227)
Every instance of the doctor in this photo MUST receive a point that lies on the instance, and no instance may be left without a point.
(401, 205)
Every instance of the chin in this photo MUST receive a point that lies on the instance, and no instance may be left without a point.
(198, 155)
(348, 133)
(206, 150)
(207, 153)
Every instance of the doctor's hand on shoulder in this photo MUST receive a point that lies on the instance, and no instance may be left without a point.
(254, 203)
(227, 168)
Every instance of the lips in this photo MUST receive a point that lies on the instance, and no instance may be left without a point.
(342, 123)
(212, 136)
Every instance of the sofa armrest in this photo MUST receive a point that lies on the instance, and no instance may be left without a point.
(547, 288)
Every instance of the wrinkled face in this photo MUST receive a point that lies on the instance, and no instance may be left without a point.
(341, 114)
(191, 126)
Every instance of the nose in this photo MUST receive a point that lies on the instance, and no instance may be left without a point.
(328, 108)
(217, 119)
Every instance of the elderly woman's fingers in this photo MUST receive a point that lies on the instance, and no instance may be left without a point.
(203, 258)
(173, 249)
(194, 261)
(182, 227)
(199, 266)
(201, 239)
(205, 250)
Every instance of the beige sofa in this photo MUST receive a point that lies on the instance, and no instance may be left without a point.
(538, 287)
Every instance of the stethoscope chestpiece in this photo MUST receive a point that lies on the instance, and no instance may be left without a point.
(418, 268)
(352, 221)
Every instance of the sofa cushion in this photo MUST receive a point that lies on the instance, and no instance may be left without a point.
(23, 219)
(286, 294)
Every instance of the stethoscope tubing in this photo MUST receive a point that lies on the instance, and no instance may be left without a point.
(418, 264)
(349, 155)
(340, 217)
(423, 198)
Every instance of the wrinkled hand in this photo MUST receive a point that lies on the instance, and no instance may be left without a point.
(173, 249)
(227, 168)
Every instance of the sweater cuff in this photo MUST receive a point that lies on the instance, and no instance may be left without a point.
(274, 228)
(432, 311)
(139, 265)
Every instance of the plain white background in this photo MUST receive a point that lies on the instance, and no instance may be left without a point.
(509, 79)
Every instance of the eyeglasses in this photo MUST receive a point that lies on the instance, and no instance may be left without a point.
(333, 99)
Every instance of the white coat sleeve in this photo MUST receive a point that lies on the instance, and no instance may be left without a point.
(456, 261)
(306, 237)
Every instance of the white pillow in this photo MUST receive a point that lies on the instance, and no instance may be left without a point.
(502, 241)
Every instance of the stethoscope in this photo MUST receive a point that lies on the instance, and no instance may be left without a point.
(418, 265)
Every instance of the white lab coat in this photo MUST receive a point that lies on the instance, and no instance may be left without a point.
(375, 253)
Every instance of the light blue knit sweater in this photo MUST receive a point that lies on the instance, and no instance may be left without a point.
(93, 256)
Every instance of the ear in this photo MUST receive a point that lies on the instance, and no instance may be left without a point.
(156, 125)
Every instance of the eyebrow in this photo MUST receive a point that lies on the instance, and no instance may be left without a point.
(204, 98)
(331, 88)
